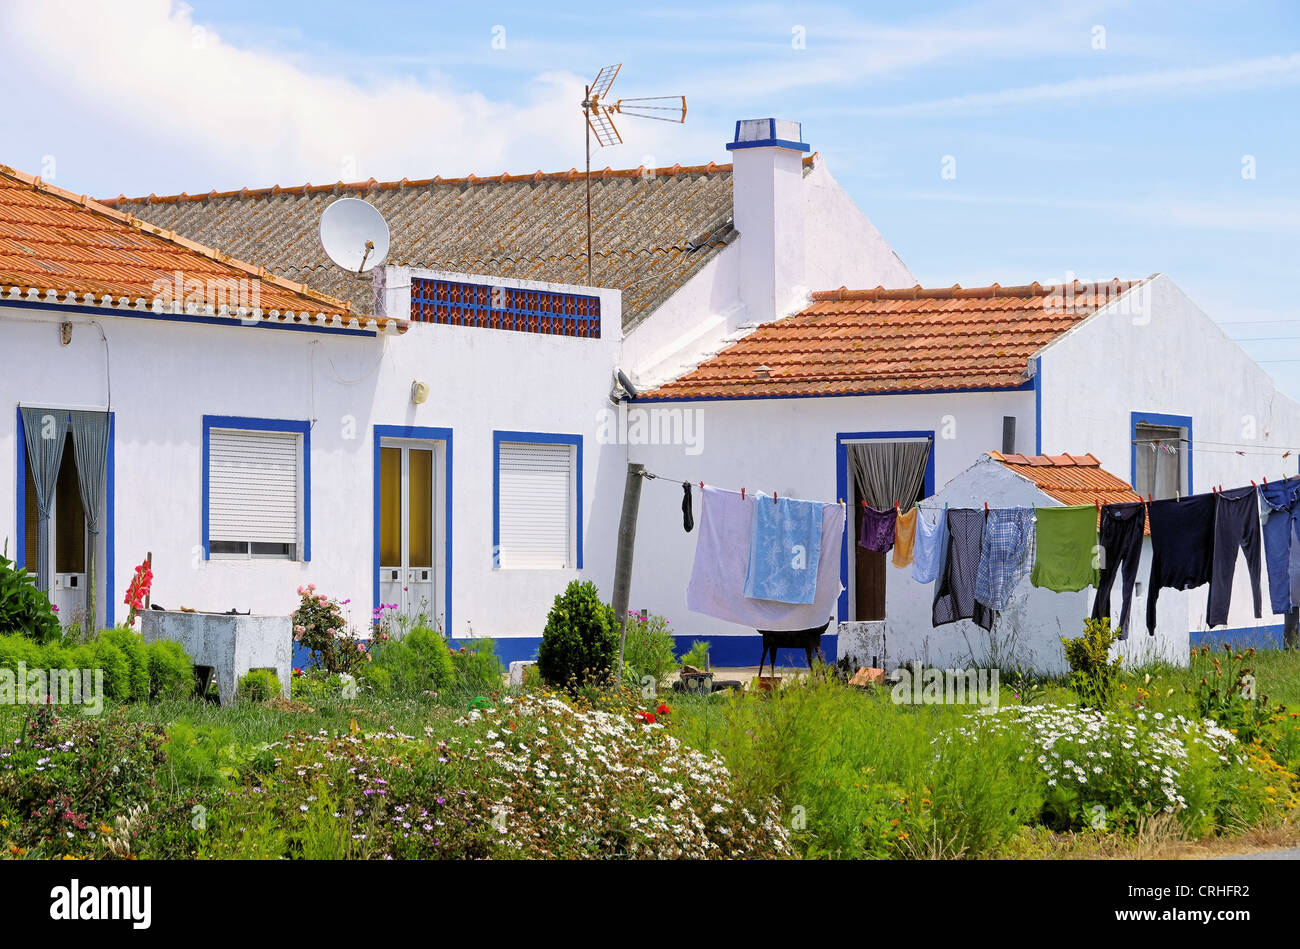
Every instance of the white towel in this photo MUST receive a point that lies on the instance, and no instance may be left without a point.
(717, 585)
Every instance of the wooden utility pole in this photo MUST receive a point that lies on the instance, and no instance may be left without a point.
(1291, 630)
(623, 559)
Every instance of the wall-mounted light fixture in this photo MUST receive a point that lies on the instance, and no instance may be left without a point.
(65, 332)
(419, 392)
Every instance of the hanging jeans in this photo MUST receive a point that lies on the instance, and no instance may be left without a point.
(1182, 546)
(1120, 539)
(954, 594)
(1236, 527)
(1282, 553)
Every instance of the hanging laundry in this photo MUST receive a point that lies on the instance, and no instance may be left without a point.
(878, 528)
(784, 549)
(954, 594)
(931, 542)
(1006, 555)
(1236, 527)
(1120, 538)
(1281, 511)
(717, 584)
(905, 537)
(1182, 546)
(1066, 539)
(688, 518)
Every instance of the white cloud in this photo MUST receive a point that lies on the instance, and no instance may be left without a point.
(137, 96)
(1263, 71)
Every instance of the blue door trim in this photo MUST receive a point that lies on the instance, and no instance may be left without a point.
(842, 492)
(302, 427)
(422, 433)
(1159, 418)
(543, 438)
(108, 592)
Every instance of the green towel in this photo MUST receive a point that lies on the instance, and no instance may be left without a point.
(1067, 548)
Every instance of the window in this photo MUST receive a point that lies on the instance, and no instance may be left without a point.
(538, 501)
(256, 479)
(1160, 460)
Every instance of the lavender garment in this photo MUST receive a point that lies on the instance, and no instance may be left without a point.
(878, 529)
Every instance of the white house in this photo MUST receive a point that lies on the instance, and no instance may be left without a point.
(252, 452)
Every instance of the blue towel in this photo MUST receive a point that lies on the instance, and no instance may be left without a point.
(784, 550)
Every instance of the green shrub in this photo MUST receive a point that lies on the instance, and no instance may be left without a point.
(171, 674)
(697, 655)
(1094, 673)
(258, 685)
(23, 608)
(477, 667)
(580, 642)
(104, 654)
(131, 645)
(649, 647)
(418, 662)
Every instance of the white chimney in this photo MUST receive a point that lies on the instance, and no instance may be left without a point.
(769, 206)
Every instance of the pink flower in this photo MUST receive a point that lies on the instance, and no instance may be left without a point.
(300, 591)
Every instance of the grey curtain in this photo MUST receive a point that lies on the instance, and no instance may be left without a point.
(90, 444)
(885, 472)
(45, 431)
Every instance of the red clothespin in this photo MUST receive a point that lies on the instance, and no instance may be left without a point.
(895, 505)
(1266, 482)
(1253, 484)
(701, 485)
(986, 507)
(742, 494)
(773, 497)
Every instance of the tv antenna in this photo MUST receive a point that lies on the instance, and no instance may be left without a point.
(354, 235)
(599, 118)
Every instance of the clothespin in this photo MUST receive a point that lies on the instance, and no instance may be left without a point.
(986, 507)
(742, 494)
(773, 497)
(1253, 484)
(701, 485)
(895, 505)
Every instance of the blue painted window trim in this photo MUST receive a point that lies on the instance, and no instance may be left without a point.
(109, 590)
(842, 492)
(540, 438)
(422, 433)
(1159, 418)
(301, 427)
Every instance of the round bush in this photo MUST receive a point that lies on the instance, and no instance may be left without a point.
(104, 654)
(417, 662)
(131, 644)
(171, 674)
(580, 642)
(258, 685)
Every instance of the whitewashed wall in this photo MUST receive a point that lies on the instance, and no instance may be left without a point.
(1170, 357)
(165, 378)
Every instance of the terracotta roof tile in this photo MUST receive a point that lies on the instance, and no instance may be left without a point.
(653, 229)
(56, 246)
(857, 342)
(1070, 479)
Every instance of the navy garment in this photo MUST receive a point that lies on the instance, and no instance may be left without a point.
(1120, 538)
(1236, 527)
(1182, 546)
(954, 593)
(1282, 498)
(688, 518)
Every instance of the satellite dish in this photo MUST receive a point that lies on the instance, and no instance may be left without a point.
(354, 235)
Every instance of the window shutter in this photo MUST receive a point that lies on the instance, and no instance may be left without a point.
(536, 505)
(253, 482)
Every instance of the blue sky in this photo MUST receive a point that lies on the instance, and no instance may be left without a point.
(1099, 139)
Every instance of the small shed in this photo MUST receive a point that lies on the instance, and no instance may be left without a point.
(1026, 635)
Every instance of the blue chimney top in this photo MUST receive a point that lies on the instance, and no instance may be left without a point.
(768, 133)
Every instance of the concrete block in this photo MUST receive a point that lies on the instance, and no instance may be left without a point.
(231, 645)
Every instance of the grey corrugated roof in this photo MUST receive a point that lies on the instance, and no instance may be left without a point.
(652, 229)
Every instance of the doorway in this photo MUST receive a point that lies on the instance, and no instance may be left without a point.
(411, 535)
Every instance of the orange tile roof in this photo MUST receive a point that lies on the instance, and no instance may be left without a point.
(58, 247)
(1070, 479)
(859, 342)
(653, 228)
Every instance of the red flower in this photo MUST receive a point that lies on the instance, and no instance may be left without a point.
(647, 717)
(663, 709)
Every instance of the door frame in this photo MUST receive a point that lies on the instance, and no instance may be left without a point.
(427, 434)
(106, 590)
(842, 441)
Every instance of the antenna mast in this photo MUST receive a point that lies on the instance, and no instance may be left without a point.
(599, 119)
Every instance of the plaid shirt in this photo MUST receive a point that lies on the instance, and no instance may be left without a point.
(1006, 555)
